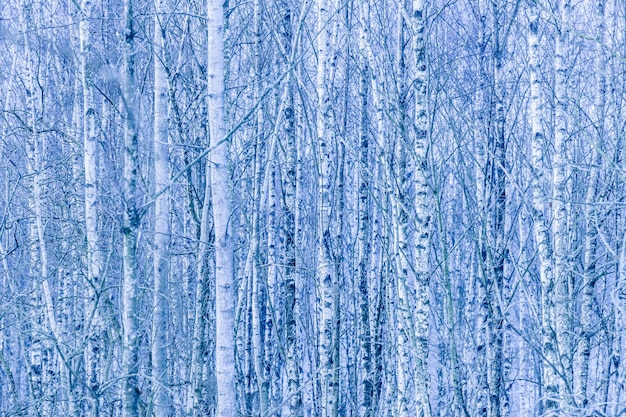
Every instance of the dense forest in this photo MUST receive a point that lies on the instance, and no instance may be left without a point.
(312, 208)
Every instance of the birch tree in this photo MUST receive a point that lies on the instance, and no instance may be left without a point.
(93, 357)
(161, 219)
(422, 207)
(325, 268)
(219, 177)
(131, 223)
(550, 382)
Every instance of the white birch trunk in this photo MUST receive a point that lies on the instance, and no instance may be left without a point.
(258, 303)
(130, 229)
(325, 268)
(559, 206)
(496, 228)
(293, 408)
(161, 258)
(365, 234)
(422, 207)
(221, 204)
(43, 353)
(592, 213)
(560, 214)
(200, 398)
(619, 304)
(403, 235)
(93, 355)
(550, 382)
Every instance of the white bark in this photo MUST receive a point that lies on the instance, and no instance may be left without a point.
(93, 356)
(162, 406)
(365, 234)
(220, 189)
(325, 268)
(559, 206)
(294, 408)
(550, 382)
(130, 229)
(422, 207)
(592, 212)
(43, 352)
(200, 398)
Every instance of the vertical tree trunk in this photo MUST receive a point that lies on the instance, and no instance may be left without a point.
(43, 352)
(93, 355)
(161, 258)
(592, 211)
(550, 383)
(560, 216)
(260, 292)
(364, 233)
(403, 233)
(131, 223)
(325, 268)
(496, 164)
(220, 189)
(422, 207)
(200, 397)
(289, 224)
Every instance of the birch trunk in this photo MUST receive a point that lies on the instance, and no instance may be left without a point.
(365, 234)
(550, 382)
(560, 216)
(422, 207)
(403, 235)
(480, 151)
(93, 354)
(220, 190)
(200, 394)
(130, 229)
(161, 260)
(496, 227)
(44, 352)
(619, 304)
(325, 269)
(290, 209)
(592, 213)
(260, 293)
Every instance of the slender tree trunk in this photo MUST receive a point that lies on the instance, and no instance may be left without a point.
(496, 228)
(559, 206)
(220, 190)
(201, 395)
(422, 209)
(592, 212)
(550, 382)
(403, 234)
(365, 234)
(130, 229)
(289, 224)
(93, 356)
(325, 268)
(161, 260)
(43, 352)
